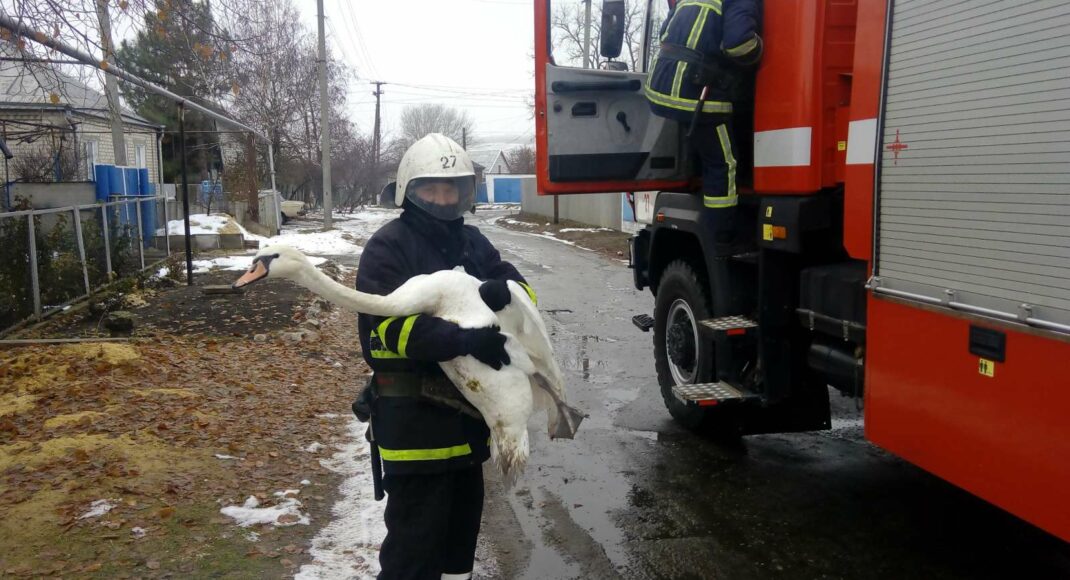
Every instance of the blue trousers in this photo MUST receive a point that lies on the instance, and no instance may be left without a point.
(713, 146)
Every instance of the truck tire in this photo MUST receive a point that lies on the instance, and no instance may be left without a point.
(681, 356)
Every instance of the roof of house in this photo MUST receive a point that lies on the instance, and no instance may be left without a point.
(486, 157)
(31, 85)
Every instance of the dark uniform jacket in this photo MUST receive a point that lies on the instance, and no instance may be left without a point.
(723, 33)
(414, 435)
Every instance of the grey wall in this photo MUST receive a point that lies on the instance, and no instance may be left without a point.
(596, 209)
(51, 195)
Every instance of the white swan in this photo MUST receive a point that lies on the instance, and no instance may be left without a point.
(506, 398)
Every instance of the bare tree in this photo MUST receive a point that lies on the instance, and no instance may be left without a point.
(567, 34)
(419, 120)
(521, 159)
(46, 163)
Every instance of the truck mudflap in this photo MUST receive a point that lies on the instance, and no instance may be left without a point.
(639, 258)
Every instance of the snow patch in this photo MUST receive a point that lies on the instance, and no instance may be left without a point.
(348, 547)
(199, 223)
(236, 263)
(549, 236)
(584, 230)
(221, 456)
(330, 243)
(314, 447)
(250, 513)
(98, 508)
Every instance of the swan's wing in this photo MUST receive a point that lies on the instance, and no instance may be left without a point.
(522, 319)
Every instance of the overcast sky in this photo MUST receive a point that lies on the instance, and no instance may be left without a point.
(471, 54)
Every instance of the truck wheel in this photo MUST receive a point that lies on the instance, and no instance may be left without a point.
(681, 356)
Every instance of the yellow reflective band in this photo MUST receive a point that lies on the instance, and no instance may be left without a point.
(403, 339)
(385, 354)
(531, 293)
(744, 48)
(688, 105)
(696, 28)
(678, 78)
(719, 202)
(729, 159)
(383, 326)
(425, 454)
(692, 41)
(714, 5)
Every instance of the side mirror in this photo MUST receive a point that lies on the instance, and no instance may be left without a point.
(386, 197)
(612, 39)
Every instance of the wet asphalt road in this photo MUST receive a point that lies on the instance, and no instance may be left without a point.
(636, 496)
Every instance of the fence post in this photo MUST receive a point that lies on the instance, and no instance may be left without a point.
(81, 247)
(140, 235)
(33, 268)
(166, 225)
(107, 239)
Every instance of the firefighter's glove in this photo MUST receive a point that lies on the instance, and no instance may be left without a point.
(486, 344)
(495, 294)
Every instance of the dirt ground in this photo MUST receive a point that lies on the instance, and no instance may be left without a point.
(210, 402)
(609, 243)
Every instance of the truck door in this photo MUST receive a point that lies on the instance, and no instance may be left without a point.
(594, 129)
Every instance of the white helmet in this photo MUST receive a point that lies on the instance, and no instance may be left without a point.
(436, 158)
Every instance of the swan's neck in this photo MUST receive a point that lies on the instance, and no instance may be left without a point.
(346, 297)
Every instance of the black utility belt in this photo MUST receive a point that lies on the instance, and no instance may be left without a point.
(436, 389)
(708, 69)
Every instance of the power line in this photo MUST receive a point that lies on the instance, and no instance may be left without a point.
(360, 39)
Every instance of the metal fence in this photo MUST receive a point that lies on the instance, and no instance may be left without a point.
(50, 258)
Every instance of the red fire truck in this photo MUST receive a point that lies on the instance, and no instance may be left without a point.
(905, 179)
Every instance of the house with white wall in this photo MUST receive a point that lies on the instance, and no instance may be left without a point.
(46, 112)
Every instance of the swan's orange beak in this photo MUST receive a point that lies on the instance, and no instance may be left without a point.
(256, 272)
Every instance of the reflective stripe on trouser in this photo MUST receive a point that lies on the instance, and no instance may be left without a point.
(425, 454)
(715, 150)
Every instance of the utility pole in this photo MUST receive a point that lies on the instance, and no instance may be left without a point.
(376, 144)
(464, 138)
(587, 34)
(185, 189)
(325, 123)
(111, 88)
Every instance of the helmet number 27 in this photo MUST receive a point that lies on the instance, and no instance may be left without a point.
(448, 161)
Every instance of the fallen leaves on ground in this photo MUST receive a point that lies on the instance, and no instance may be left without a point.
(146, 423)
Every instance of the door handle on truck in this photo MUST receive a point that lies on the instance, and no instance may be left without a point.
(582, 86)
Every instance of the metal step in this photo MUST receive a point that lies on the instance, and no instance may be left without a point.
(710, 394)
(643, 322)
(746, 257)
(729, 325)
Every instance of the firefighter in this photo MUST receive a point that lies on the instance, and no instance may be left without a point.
(706, 45)
(431, 442)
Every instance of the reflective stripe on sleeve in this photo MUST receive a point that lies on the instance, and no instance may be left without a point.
(531, 293)
(403, 338)
(743, 49)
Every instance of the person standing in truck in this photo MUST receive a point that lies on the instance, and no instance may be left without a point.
(706, 48)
